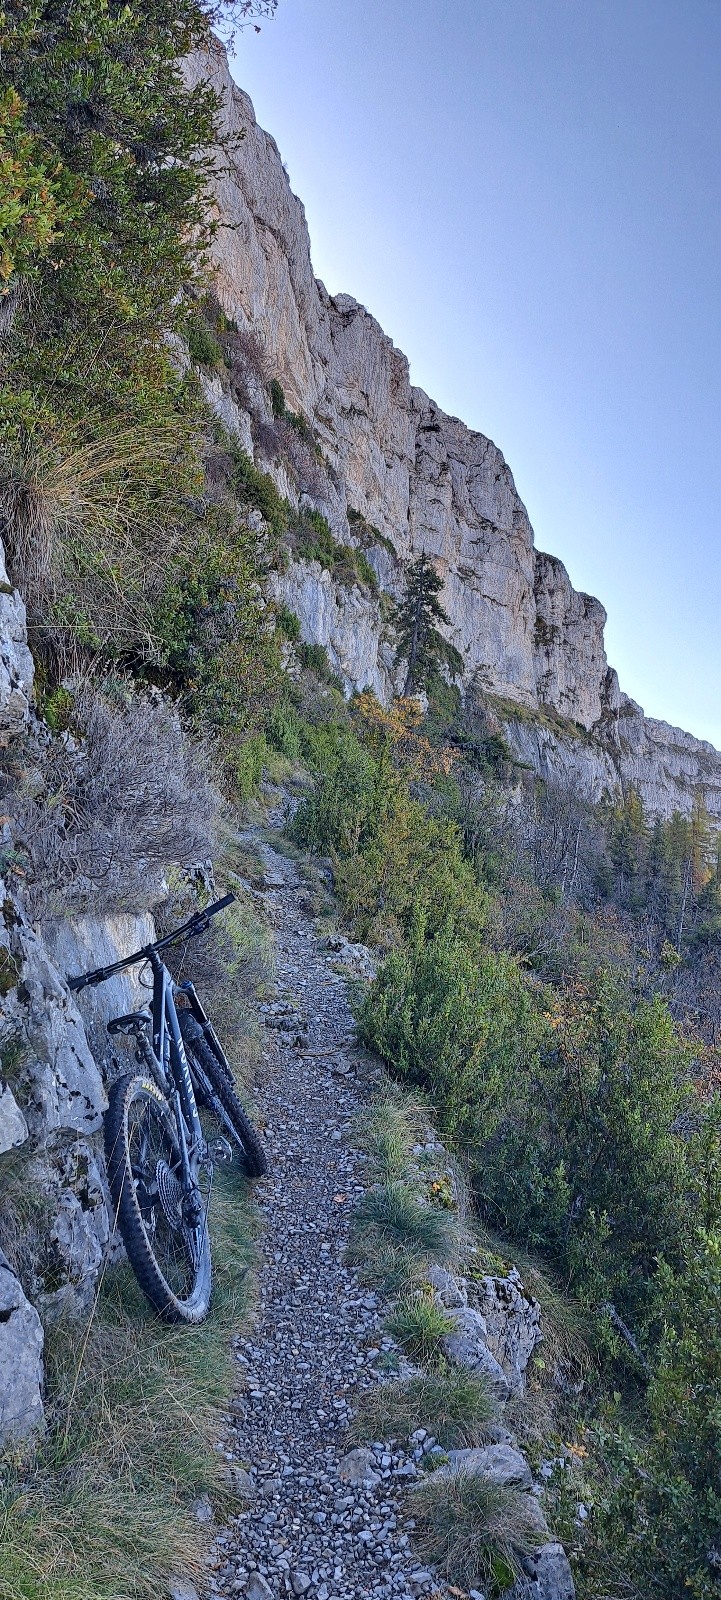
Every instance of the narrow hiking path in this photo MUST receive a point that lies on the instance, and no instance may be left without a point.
(317, 1333)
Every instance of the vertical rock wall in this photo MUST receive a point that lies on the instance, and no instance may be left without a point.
(52, 1088)
(425, 482)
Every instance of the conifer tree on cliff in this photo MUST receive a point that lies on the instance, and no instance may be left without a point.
(420, 643)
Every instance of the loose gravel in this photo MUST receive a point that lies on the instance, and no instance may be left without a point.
(307, 1527)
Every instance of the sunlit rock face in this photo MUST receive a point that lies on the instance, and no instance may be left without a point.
(425, 482)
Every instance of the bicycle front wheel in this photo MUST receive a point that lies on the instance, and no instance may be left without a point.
(170, 1259)
(201, 1056)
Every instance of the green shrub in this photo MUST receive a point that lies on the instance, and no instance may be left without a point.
(458, 1024)
(407, 875)
(217, 650)
(283, 731)
(257, 489)
(300, 426)
(340, 812)
(365, 571)
(287, 623)
(314, 657)
(203, 347)
(246, 765)
(314, 541)
(277, 397)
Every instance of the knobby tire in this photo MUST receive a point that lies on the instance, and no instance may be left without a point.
(172, 1264)
(198, 1049)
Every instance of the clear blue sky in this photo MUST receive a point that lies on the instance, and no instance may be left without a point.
(526, 194)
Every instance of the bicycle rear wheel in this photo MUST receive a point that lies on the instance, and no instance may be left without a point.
(202, 1057)
(171, 1260)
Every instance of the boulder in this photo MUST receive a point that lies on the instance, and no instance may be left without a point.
(450, 1292)
(513, 1324)
(467, 1346)
(21, 1360)
(13, 1127)
(358, 1466)
(65, 1089)
(546, 1575)
(16, 662)
(499, 1462)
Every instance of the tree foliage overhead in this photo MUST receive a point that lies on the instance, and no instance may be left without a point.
(106, 176)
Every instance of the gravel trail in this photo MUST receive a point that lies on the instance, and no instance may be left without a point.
(318, 1334)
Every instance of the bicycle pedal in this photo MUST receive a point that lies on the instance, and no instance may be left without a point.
(219, 1150)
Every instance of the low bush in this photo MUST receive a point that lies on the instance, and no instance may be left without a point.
(203, 346)
(277, 397)
(257, 489)
(284, 731)
(287, 623)
(314, 541)
(474, 1530)
(114, 814)
(458, 1024)
(217, 650)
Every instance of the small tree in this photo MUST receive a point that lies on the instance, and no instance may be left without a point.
(420, 644)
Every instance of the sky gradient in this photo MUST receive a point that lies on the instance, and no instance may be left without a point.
(527, 195)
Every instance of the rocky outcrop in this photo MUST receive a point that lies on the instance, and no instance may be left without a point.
(512, 1319)
(21, 1366)
(16, 662)
(420, 480)
(52, 1088)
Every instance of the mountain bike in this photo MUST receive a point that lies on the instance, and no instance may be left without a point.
(159, 1162)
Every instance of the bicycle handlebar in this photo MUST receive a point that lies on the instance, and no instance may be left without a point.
(195, 924)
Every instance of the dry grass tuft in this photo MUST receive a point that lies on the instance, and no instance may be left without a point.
(93, 532)
(419, 1324)
(113, 815)
(454, 1405)
(387, 1132)
(472, 1529)
(394, 1214)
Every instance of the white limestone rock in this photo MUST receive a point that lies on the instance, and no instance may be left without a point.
(21, 1360)
(451, 1292)
(427, 483)
(467, 1346)
(499, 1462)
(16, 662)
(13, 1127)
(513, 1323)
(547, 1575)
(64, 1087)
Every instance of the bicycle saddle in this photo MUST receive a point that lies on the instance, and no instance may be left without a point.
(134, 1022)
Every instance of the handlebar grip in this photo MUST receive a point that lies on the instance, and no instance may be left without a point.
(85, 979)
(219, 905)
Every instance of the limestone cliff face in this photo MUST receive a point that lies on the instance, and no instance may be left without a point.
(424, 481)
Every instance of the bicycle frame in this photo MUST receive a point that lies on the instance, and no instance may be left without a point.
(169, 1051)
